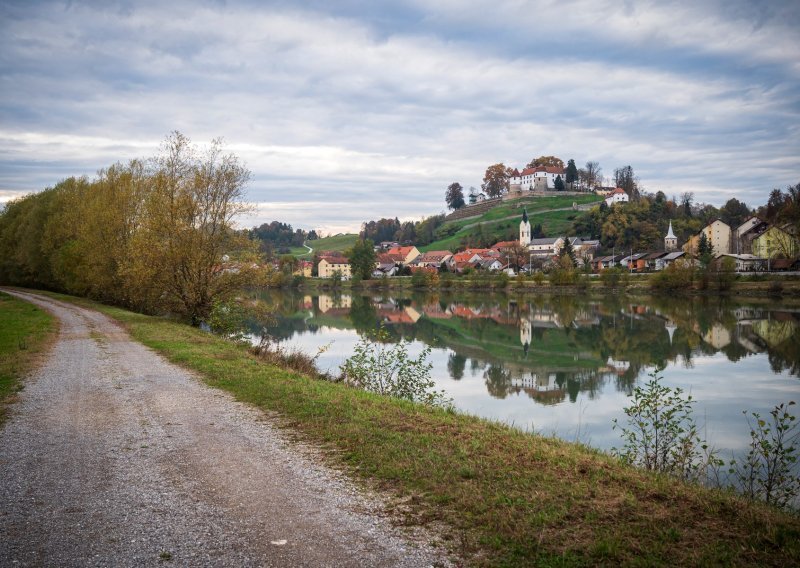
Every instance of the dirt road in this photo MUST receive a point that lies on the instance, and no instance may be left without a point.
(114, 457)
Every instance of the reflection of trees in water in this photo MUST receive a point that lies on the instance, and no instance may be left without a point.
(455, 366)
(498, 332)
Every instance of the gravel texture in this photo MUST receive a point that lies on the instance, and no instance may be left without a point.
(115, 457)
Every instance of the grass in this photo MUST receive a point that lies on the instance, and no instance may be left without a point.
(340, 242)
(509, 498)
(506, 216)
(25, 333)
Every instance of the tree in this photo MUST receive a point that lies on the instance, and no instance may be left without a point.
(686, 203)
(189, 213)
(559, 183)
(572, 173)
(705, 249)
(592, 175)
(312, 235)
(495, 180)
(625, 178)
(567, 251)
(550, 161)
(734, 212)
(454, 196)
(362, 259)
(537, 232)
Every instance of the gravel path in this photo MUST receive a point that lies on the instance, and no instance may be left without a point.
(114, 457)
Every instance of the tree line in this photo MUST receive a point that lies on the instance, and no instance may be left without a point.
(153, 235)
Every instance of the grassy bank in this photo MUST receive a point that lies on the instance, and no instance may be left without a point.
(511, 498)
(25, 333)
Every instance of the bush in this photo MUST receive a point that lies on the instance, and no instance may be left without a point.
(661, 434)
(769, 472)
(610, 277)
(387, 369)
(677, 276)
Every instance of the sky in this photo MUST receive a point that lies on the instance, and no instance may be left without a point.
(348, 111)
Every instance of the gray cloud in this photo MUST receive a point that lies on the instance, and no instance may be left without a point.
(356, 114)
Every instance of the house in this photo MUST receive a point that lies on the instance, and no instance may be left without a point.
(403, 255)
(433, 258)
(648, 262)
(304, 268)
(743, 262)
(548, 246)
(608, 261)
(328, 265)
(618, 195)
(745, 233)
(631, 260)
(492, 264)
(540, 178)
(669, 258)
(776, 242)
(386, 245)
(718, 234)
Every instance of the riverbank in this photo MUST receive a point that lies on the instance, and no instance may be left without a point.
(25, 334)
(772, 285)
(509, 498)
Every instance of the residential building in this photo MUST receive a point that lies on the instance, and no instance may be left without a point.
(776, 242)
(403, 255)
(718, 234)
(618, 195)
(745, 233)
(433, 258)
(328, 265)
(669, 258)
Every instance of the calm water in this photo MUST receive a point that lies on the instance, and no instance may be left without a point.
(565, 365)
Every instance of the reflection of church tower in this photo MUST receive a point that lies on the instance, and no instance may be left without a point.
(670, 241)
(670, 327)
(525, 333)
(524, 229)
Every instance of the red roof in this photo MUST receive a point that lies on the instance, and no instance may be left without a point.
(335, 259)
(615, 192)
(401, 250)
(546, 169)
(505, 244)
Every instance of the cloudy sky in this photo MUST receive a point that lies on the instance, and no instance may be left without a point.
(347, 110)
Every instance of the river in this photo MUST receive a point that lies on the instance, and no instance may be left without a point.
(566, 365)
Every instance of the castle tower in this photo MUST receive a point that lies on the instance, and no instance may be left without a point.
(524, 229)
(670, 241)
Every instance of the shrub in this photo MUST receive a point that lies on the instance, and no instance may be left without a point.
(661, 434)
(610, 277)
(677, 276)
(387, 369)
(769, 471)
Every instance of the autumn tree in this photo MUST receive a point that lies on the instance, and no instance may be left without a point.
(454, 196)
(188, 227)
(548, 161)
(495, 180)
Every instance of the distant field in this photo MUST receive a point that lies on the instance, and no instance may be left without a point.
(340, 242)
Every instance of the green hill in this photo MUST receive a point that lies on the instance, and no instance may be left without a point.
(340, 242)
(555, 214)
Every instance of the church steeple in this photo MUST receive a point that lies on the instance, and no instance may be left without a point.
(524, 229)
(670, 241)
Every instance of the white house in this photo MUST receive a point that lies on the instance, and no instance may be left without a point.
(616, 196)
(539, 178)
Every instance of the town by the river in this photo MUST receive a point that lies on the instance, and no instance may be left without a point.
(567, 365)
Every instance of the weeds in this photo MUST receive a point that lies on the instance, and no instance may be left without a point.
(269, 351)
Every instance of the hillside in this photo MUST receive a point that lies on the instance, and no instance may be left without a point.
(554, 214)
(340, 242)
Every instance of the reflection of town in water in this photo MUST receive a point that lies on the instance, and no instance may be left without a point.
(553, 348)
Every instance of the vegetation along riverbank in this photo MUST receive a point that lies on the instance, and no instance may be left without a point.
(508, 497)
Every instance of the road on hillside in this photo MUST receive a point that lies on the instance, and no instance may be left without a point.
(115, 457)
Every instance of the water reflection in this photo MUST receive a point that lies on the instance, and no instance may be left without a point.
(492, 353)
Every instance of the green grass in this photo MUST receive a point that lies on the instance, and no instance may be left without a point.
(25, 333)
(509, 498)
(340, 242)
(498, 220)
